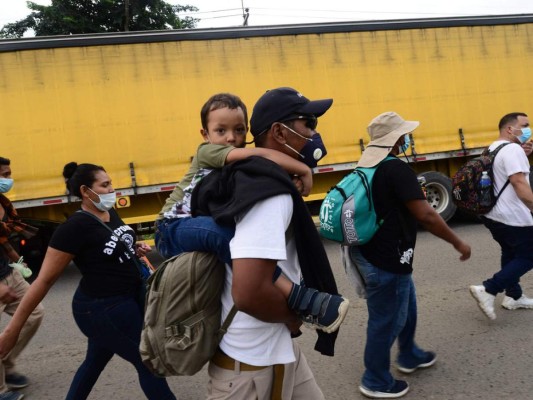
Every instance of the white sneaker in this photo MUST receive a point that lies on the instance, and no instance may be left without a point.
(512, 304)
(485, 300)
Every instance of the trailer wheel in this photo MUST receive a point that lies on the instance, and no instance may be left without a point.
(439, 193)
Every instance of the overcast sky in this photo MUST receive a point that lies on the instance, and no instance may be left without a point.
(216, 13)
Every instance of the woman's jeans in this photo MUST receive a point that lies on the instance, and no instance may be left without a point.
(391, 303)
(516, 243)
(113, 326)
(182, 235)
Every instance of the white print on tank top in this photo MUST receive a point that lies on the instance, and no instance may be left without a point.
(121, 231)
(406, 257)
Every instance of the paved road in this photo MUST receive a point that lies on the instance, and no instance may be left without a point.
(478, 359)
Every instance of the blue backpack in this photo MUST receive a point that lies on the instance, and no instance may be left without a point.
(347, 214)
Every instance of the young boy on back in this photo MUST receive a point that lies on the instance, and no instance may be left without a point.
(224, 126)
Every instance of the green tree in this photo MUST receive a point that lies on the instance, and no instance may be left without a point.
(69, 17)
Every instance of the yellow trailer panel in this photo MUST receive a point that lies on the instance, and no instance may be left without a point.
(131, 101)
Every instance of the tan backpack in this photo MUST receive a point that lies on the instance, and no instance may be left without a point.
(182, 317)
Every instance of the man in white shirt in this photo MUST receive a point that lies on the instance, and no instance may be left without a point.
(510, 221)
(257, 358)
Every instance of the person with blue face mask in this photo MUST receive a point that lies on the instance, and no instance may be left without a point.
(13, 286)
(385, 263)
(510, 221)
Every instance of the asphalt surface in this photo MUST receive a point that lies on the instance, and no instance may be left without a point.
(477, 358)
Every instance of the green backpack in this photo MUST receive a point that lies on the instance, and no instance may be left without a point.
(347, 214)
(182, 316)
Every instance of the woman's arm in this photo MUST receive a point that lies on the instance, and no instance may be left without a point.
(289, 164)
(54, 263)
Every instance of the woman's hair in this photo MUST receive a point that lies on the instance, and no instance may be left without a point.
(80, 175)
(4, 161)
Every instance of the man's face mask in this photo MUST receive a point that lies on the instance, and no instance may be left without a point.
(526, 134)
(405, 146)
(313, 151)
(5, 185)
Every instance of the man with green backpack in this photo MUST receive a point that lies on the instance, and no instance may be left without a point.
(385, 261)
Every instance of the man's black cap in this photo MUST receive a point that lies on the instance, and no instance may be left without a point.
(277, 105)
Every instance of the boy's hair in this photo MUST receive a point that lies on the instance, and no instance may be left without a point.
(510, 119)
(5, 161)
(222, 100)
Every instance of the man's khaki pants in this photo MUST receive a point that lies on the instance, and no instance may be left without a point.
(298, 382)
(20, 286)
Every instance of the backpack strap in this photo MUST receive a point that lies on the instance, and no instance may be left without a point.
(494, 153)
(227, 321)
(128, 249)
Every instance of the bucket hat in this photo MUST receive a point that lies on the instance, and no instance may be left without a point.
(384, 131)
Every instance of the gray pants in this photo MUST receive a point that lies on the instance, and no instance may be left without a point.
(16, 282)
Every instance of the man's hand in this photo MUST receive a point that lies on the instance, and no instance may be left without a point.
(141, 249)
(464, 249)
(304, 183)
(294, 327)
(7, 295)
(528, 148)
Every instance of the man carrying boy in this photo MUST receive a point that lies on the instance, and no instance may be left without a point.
(224, 126)
(257, 358)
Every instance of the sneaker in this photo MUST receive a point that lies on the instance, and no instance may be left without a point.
(16, 381)
(319, 310)
(399, 389)
(512, 304)
(485, 300)
(429, 359)
(11, 396)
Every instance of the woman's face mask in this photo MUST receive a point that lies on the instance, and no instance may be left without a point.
(5, 185)
(526, 134)
(313, 151)
(107, 200)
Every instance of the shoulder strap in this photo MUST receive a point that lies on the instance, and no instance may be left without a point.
(128, 249)
(225, 325)
(494, 153)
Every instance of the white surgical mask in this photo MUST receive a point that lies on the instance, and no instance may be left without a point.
(5, 185)
(107, 200)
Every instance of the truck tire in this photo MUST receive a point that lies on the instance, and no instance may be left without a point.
(439, 193)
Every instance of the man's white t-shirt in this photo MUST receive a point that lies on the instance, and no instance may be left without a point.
(509, 209)
(262, 232)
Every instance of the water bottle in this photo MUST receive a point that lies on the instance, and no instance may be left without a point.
(485, 185)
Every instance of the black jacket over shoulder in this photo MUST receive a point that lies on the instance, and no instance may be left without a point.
(227, 192)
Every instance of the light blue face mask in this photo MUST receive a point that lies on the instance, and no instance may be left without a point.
(5, 185)
(406, 142)
(526, 134)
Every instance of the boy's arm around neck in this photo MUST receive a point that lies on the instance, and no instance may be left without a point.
(289, 164)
